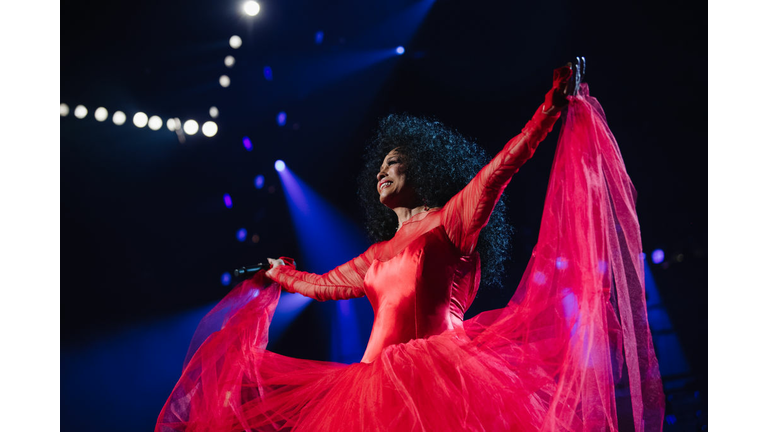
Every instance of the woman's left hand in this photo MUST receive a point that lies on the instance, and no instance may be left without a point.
(556, 99)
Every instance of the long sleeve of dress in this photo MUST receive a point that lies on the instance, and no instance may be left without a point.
(343, 282)
(468, 211)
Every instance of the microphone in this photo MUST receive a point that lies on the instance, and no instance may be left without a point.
(250, 270)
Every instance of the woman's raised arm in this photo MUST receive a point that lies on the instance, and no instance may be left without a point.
(468, 211)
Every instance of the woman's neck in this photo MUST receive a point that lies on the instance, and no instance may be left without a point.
(405, 213)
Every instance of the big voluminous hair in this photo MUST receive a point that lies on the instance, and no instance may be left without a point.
(439, 162)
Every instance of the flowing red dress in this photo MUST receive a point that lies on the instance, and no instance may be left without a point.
(570, 352)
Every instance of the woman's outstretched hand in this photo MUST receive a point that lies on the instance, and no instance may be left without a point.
(557, 99)
(272, 264)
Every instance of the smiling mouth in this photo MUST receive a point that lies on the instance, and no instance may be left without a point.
(385, 185)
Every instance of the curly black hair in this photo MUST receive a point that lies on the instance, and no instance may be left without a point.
(440, 162)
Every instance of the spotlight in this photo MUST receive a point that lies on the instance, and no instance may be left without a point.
(100, 114)
(657, 256)
(63, 109)
(80, 111)
(226, 278)
(251, 8)
(210, 129)
(213, 112)
(235, 42)
(190, 127)
(268, 73)
(281, 118)
(140, 119)
(155, 123)
(242, 234)
(279, 165)
(319, 37)
(259, 181)
(229, 61)
(224, 81)
(118, 118)
(171, 124)
(400, 50)
(227, 200)
(247, 143)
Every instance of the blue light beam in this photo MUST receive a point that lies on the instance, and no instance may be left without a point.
(149, 357)
(328, 239)
(672, 361)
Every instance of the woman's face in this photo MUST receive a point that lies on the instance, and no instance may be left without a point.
(394, 190)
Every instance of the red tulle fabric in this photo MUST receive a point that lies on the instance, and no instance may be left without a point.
(571, 351)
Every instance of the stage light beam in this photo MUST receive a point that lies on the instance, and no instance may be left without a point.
(81, 112)
(268, 73)
(213, 112)
(155, 123)
(326, 239)
(63, 110)
(279, 165)
(400, 50)
(247, 143)
(259, 181)
(190, 127)
(171, 124)
(227, 200)
(242, 234)
(210, 128)
(281, 118)
(100, 114)
(119, 118)
(229, 61)
(224, 81)
(251, 8)
(140, 119)
(235, 42)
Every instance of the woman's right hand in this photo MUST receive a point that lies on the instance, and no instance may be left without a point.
(273, 263)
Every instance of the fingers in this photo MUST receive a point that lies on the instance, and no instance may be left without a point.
(562, 75)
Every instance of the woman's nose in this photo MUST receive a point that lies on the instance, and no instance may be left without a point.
(380, 175)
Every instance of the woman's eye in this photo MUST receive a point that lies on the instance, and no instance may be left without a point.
(392, 162)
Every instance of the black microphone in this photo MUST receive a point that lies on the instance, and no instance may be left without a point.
(250, 270)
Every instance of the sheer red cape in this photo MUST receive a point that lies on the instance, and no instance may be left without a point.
(572, 350)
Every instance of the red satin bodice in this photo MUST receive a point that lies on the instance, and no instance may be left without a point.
(421, 291)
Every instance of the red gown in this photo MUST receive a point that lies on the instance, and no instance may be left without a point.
(570, 352)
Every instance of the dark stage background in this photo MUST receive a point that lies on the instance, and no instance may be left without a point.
(146, 234)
